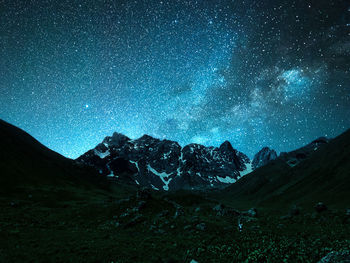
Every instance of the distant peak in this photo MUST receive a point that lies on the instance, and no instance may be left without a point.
(116, 140)
(264, 156)
(145, 137)
(226, 146)
(266, 148)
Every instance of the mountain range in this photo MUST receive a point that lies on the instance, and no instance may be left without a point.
(319, 168)
(165, 165)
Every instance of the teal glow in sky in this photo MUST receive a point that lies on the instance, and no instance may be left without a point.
(256, 73)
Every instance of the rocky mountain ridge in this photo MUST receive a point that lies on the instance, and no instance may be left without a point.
(165, 165)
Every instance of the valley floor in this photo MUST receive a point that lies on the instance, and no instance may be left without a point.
(53, 225)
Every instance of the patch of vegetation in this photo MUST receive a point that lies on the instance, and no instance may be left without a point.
(52, 225)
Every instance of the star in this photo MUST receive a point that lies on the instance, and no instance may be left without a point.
(189, 71)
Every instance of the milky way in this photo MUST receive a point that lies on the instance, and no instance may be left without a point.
(256, 73)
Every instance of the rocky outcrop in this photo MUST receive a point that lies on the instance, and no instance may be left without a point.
(263, 157)
(336, 257)
(320, 207)
(293, 158)
(164, 164)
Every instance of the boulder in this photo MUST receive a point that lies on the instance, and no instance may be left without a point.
(222, 210)
(141, 205)
(219, 209)
(134, 221)
(179, 212)
(320, 207)
(164, 213)
(252, 212)
(195, 219)
(232, 212)
(285, 217)
(201, 226)
(187, 227)
(347, 212)
(294, 211)
(336, 257)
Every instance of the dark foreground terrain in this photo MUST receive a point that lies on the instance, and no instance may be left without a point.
(54, 210)
(56, 225)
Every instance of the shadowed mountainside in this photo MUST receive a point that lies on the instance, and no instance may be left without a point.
(26, 162)
(323, 175)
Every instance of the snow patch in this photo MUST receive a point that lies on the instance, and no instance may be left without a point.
(153, 187)
(136, 164)
(178, 172)
(292, 162)
(111, 172)
(102, 155)
(181, 161)
(163, 176)
(165, 155)
(111, 175)
(249, 169)
(226, 180)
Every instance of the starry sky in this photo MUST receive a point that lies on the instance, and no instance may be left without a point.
(257, 73)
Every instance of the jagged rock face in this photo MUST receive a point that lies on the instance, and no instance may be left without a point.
(263, 157)
(164, 164)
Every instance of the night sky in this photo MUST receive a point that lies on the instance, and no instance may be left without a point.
(257, 73)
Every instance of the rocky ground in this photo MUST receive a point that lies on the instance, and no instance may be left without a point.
(55, 225)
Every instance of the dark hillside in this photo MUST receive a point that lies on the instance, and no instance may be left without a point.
(26, 162)
(323, 176)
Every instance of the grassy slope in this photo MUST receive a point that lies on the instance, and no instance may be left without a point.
(98, 230)
(324, 176)
(24, 162)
